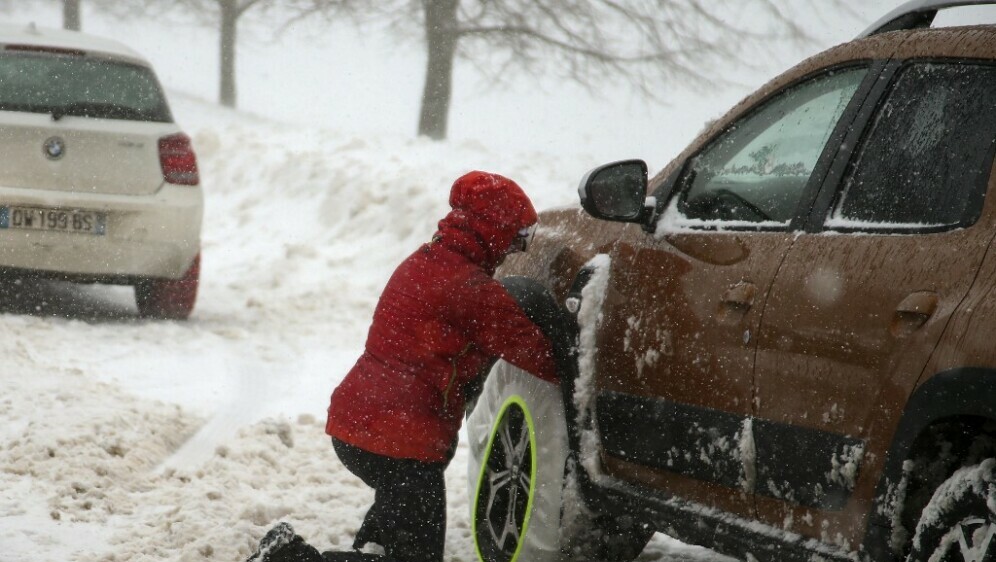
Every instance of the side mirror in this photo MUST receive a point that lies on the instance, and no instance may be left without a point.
(616, 191)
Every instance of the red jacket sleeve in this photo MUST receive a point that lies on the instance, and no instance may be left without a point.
(496, 324)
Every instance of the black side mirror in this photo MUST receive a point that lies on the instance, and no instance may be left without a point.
(616, 191)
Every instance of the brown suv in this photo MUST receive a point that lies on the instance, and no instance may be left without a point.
(783, 345)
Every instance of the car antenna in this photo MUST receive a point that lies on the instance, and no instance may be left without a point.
(33, 29)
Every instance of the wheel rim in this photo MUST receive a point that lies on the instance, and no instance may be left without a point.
(505, 488)
(974, 540)
(970, 540)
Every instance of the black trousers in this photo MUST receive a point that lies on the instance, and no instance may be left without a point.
(408, 516)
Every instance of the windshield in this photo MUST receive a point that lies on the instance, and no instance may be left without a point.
(81, 86)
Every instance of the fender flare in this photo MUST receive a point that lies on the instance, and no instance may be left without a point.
(969, 391)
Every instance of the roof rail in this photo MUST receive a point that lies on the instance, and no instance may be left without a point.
(916, 14)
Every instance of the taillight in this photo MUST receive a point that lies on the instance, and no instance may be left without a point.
(178, 160)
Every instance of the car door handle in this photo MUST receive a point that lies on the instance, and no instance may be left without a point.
(913, 312)
(740, 296)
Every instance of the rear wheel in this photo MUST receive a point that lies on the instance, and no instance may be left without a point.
(171, 299)
(959, 522)
(518, 451)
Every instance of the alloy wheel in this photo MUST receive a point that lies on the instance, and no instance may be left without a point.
(505, 489)
(974, 540)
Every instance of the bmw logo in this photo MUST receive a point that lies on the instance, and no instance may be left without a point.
(54, 148)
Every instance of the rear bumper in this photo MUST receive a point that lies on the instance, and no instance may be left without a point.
(154, 235)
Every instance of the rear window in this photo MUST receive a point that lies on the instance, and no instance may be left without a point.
(80, 86)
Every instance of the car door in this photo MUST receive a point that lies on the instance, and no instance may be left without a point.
(860, 301)
(676, 345)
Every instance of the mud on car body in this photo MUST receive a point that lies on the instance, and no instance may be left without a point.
(779, 346)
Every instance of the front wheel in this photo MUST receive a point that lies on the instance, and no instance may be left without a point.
(959, 522)
(171, 299)
(518, 450)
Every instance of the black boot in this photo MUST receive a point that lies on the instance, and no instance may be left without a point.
(369, 531)
(280, 544)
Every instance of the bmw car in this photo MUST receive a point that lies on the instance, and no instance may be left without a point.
(98, 183)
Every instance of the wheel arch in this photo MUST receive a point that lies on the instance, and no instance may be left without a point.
(560, 327)
(961, 400)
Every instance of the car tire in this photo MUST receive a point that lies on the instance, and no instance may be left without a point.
(171, 299)
(518, 452)
(959, 522)
(590, 535)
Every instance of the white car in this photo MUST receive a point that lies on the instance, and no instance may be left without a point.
(97, 183)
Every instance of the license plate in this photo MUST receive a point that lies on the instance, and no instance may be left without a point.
(59, 220)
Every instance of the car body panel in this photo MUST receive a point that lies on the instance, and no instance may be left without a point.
(834, 334)
(564, 241)
(684, 341)
(155, 235)
(676, 329)
(968, 339)
(112, 156)
(852, 340)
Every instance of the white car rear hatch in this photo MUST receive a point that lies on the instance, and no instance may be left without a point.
(80, 122)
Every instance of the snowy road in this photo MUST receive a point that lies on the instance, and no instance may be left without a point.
(125, 439)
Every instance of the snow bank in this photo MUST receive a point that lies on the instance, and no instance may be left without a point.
(311, 219)
(75, 460)
(82, 484)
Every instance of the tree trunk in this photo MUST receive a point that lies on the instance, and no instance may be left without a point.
(441, 36)
(71, 14)
(229, 21)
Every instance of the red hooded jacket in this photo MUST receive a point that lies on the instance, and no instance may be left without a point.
(439, 320)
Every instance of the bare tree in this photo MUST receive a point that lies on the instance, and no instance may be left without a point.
(230, 11)
(223, 13)
(71, 14)
(646, 43)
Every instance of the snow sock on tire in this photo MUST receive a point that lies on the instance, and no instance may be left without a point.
(518, 453)
(518, 445)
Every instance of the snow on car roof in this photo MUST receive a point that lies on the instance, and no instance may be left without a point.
(35, 36)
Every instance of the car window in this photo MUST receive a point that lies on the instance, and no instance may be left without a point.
(928, 156)
(756, 172)
(79, 85)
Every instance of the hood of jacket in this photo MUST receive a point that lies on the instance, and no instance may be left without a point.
(488, 212)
